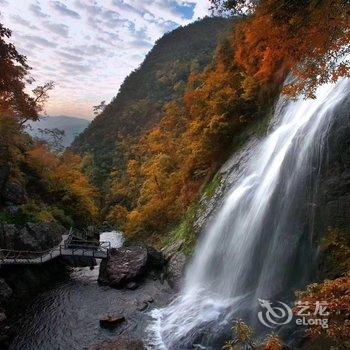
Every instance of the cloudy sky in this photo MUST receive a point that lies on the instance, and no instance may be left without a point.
(88, 47)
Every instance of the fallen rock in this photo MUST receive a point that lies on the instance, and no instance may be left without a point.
(119, 344)
(111, 321)
(126, 265)
(129, 264)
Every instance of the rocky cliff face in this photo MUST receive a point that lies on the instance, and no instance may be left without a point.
(333, 201)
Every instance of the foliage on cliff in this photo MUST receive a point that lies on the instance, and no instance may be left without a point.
(161, 78)
(166, 169)
(35, 184)
(336, 295)
(305, 38)
(171, 163)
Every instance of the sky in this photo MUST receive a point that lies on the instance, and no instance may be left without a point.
(88, 47)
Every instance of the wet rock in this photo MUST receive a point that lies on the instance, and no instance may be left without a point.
(14, 193)
(126, 265)
(129, 264)
(111, 321)
(175, 269)
(119, 344)
(172, 249)
(5, 291)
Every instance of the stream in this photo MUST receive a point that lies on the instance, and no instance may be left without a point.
(66, 317)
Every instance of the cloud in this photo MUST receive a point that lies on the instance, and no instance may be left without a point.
(201, 9)
(141, 44)
(70, 57)
(39, 40)
(64, 10)
(57, 28)
(22, 21)
(88, 50)
(36, 10)
(75, 68)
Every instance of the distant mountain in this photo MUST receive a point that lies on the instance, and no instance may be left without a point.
(71, 126)
(140, 102)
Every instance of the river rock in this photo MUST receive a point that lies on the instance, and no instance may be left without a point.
(128, 264)
(5, 291)
(111, 321)
(119, 344)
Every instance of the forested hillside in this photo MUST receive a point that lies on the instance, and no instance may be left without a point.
(161, 78)
(36, 185)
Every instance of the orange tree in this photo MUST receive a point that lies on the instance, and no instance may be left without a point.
(309, 39)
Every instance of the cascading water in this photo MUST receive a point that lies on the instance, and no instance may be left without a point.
(259, 245)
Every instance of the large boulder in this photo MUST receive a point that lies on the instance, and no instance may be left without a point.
(119, 344)
(124, 265)
(129, 264)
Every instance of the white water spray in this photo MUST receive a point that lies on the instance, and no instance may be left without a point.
(259, 244)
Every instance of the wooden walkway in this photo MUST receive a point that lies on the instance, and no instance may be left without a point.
(69, 246)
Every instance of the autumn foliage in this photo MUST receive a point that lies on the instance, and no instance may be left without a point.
(336, 293)
(165, 169)
(54, 186)
(306, 39)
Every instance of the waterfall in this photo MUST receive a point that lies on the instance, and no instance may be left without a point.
(259, 245)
